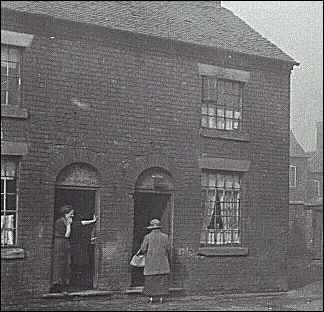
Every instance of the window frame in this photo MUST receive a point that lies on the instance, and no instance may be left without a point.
(18, 76)
(225, 107)
(295, 176)
(16, 211)
(317, 187)
(204, 231)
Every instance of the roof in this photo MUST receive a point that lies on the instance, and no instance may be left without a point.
(295, 149)
(198, 22)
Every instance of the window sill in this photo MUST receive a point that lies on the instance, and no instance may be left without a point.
(223, 251)
(13, 111)
(12, 253)
(227, 135)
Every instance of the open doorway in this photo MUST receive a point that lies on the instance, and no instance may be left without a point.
(148, 206)
(82, 245)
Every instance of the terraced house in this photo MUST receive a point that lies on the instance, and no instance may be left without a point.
(135, 110)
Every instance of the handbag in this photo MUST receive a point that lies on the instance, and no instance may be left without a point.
(138, 260)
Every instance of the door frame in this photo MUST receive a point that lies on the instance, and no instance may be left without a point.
(170, 205)
(97, 225)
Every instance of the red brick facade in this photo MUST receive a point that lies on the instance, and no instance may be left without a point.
(124, 103)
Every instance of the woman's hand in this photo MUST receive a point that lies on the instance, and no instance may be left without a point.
(94, 218)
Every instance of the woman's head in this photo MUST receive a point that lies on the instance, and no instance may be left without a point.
(67, 211)
(154, 224)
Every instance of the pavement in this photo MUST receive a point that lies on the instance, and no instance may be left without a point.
(307, 298)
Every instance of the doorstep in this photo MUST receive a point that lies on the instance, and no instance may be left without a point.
(139, 290)
(81, 293)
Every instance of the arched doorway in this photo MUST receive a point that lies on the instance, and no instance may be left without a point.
(77, 185)
(153, 199)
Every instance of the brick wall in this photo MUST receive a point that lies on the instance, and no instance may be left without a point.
(123, 103)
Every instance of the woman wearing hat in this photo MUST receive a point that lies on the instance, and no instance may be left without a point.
(61, 252)
(156, 248)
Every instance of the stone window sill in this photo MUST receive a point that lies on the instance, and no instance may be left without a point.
(13, 111)
(12, 253)
(223, 251)
(227, 135)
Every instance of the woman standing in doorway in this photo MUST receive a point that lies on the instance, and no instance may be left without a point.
(62, 249)
(156, 248)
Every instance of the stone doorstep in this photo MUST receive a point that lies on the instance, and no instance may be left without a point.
(82, 293)
(139, 290)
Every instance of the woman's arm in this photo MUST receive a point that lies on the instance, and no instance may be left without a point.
(86, 222)
(68, 230)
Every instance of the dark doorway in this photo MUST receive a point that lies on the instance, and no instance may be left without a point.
(82, 248)
(148, 206)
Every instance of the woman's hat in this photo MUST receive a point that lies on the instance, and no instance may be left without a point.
(66, 209)
(154, 224)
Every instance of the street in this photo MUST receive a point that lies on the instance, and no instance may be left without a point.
(307, 298)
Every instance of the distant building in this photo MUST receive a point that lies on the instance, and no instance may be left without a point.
(315, 192)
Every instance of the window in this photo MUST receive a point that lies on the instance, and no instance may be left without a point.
(292, 176)
(317, 191)
(10, 75)
(221, 209)
(8, 202)
(221, 103)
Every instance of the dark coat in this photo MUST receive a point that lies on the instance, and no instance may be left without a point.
(156, 248)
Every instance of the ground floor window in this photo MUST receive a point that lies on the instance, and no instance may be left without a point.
(8, 202)
(221, 209)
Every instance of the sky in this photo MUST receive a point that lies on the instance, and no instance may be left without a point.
(296, 27)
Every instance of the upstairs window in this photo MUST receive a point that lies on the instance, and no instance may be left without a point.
(292, 176)
(221, 103)
(10, 75)
(8, 202)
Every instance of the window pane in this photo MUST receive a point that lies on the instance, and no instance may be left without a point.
(13, 69)
(8, 168)
(204, 179)
(2, 186)
(237, 115)
(229, 124)
(2, 202)
(13, 88)
(3, 97)
(235, 124)
(4, 85)
(212, 180)
(11, 202)
(8, 231)
(13, 55)
(220, 112)
(204, 121)
(204, 109)
(11, 186)
(3, 69)
(211, 111)
(229, 114)
(220, 123)
(4, 53)
(212, 122)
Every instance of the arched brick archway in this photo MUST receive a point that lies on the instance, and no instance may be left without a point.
(78, 184)
(153, 199)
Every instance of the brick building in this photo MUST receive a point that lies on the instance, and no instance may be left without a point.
(133, 110)
(315, 192)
